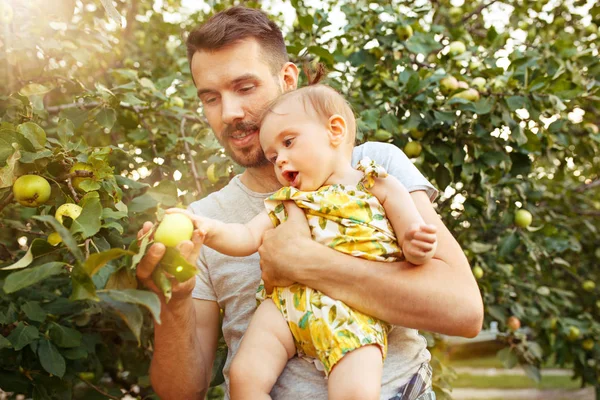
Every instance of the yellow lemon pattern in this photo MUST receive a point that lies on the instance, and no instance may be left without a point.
(349, 219)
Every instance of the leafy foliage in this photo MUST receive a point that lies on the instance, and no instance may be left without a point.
(79, 88)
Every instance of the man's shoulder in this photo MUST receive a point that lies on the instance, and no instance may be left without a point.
(215, 204)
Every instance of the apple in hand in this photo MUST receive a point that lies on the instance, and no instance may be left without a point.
(31, 190)
(174, 229)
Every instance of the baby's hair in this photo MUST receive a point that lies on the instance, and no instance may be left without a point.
(322, 99)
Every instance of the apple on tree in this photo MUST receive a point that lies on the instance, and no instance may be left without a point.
(76, 180)
(413, 149)
(448, 84)
(469, 94)
(457, 48)
(31, 190)
(67, 210)
(523, 218)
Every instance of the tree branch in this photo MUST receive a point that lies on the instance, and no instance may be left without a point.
(588, 186)
(588, 212)
(97, 389)
(7, 201)
(478, 10)
(192, 164)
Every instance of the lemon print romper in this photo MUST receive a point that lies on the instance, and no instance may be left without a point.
(349, 219)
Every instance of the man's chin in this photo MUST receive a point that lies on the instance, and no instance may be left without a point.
(250, 159)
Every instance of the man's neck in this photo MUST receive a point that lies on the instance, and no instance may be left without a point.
(260, 179)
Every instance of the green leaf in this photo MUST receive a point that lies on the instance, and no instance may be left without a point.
(508, 244)
(129, 313)
(38, 247)
(33, 311)
(22, 279)
(65, 235)
(63, 336)
(89, 222)
(23, 335)
(50, 358)
(324, 54)
(165, 193)
(30, 157)
(107, 117)
(98, 260)
(142, 297)
(533, 372)
(422, 43)
(508, 357)
(4, 343)
(516, 102)
(34, 89)
(34, 133)
(112, 11)
(8, 173)
(65, 130)
(83, 286)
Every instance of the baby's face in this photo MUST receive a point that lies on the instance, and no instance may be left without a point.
(297, 142)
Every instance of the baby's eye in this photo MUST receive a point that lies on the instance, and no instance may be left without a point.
(287, 142)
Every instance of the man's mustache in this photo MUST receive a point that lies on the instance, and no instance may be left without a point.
(240, 127)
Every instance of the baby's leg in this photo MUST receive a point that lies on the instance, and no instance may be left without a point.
(265, 349)
(357, 375)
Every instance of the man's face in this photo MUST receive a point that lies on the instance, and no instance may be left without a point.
(234, 83)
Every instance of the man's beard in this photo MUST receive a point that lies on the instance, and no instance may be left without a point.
(250, 157)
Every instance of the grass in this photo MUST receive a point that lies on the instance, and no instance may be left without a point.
(514, 382)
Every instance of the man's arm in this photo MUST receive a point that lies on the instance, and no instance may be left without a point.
(185, 342)
(440, 295)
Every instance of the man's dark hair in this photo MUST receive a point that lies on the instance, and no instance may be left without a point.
(238, 23)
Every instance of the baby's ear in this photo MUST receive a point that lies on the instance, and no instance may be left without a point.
(337, 129)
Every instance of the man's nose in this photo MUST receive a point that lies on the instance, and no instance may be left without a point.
(231, 110)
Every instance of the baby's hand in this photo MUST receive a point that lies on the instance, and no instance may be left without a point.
(202, 223)
(420, 243)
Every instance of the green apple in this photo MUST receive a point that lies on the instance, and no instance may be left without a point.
(523, 218)
(455, 12)
(588, 344)
(463, 85)
(573, 333)
(382, 135)
(457, 48)
(176, 101)
(448, 84)
(174, 229)
(417, 133)
(404, 32)
(76, 180)
(479, 83)
(513, 323)
(588, 286)
(67, 210)
(31, 190)
(413, 149)
(553, 323)
(469, 94)
(54, 238)
(478, 272)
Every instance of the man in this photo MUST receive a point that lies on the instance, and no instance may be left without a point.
(239, 63)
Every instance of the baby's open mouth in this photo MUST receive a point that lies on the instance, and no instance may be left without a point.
(290, 176)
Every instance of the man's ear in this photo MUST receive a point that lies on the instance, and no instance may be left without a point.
(289, 76)
(337, 129)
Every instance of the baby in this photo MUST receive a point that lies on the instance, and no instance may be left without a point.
(308, 134)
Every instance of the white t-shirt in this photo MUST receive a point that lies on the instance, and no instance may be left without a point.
(232, 283)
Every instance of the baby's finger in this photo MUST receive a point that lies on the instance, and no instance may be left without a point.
(145, 228)
(423, 246)
(425, 237)
(410, 233)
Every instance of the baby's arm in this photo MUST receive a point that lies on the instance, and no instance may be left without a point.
(236, 240)
(417, 240)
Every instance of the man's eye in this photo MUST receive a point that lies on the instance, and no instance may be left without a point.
(247, 88)
(209, 100)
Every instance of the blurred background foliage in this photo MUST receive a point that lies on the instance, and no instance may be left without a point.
(495, 101)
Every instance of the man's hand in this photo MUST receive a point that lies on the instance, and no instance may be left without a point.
(420, 243)
(283, 243)
(189, 249)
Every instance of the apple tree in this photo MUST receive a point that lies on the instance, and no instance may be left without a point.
(100, 130)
